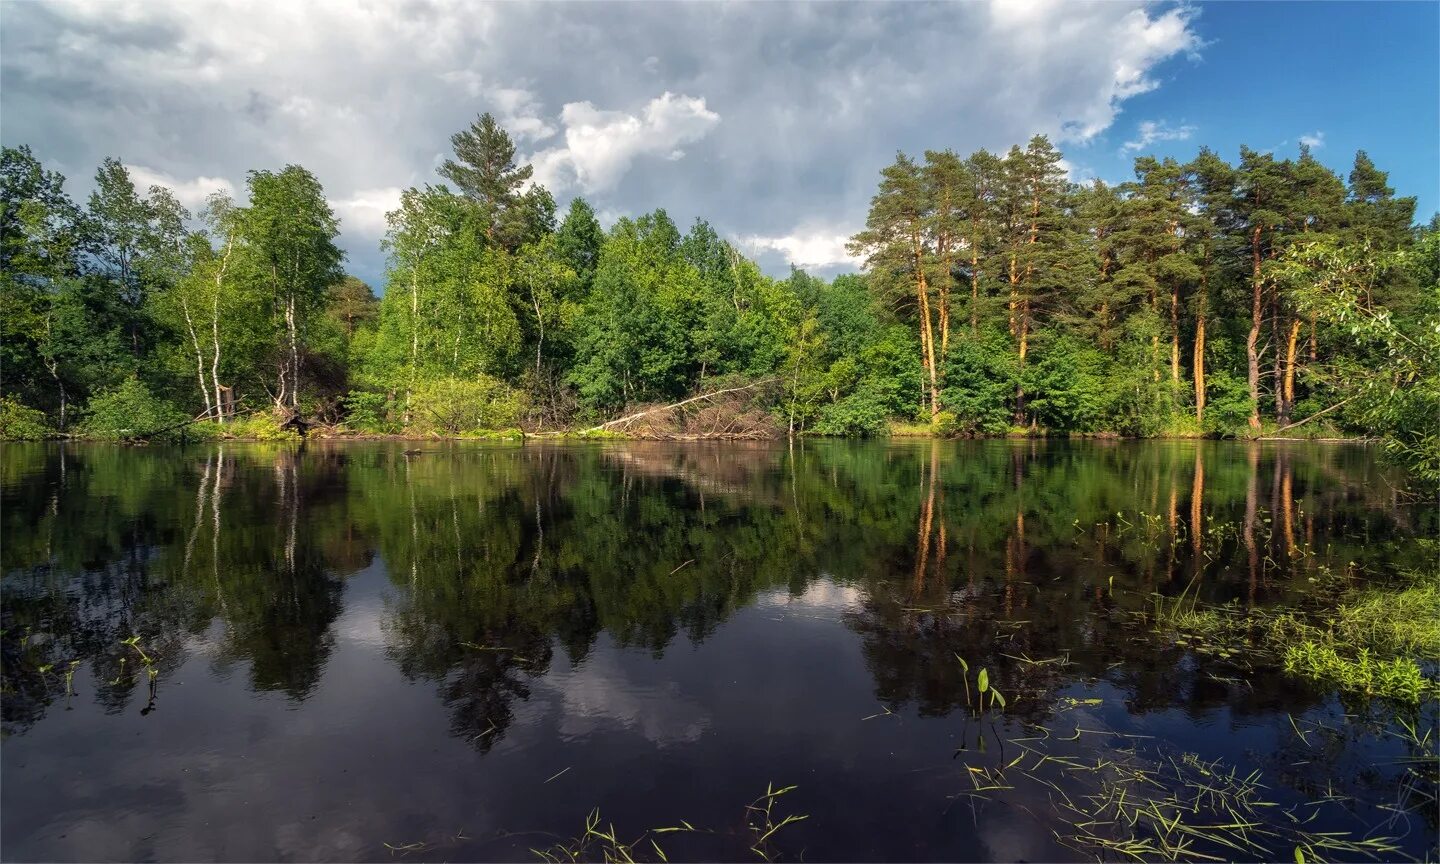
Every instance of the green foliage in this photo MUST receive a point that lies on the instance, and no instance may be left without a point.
(130, 411)
(451, 406)
(21, 423)
(1190, 300)
(863, 413)
(374, 413)
(1394, 678)
(1369, 641)
(1229, 403)
(980, 379)
(1071, 387)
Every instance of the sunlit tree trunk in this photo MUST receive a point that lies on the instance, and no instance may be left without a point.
(1252, 339)
(1198, 355)
(1288, 400)
(927, 331)
(199, 356)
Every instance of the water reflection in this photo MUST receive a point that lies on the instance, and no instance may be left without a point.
(531, 576)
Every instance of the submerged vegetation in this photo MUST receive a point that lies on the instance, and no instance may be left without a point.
(1269, 296)
(1364, 636)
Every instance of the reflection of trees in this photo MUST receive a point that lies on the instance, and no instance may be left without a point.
(500, 556)
(157, 544)
(1043, 553)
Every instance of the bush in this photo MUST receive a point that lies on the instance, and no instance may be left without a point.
(129, 412)
(1068, 388)
(450, 406)
(370, 412)
(945, 423)
(1227, 406)
(979, 381)
(862, 414)
(264, 426)
(21, 423)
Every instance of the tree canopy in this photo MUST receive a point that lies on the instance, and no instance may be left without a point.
(997, 297)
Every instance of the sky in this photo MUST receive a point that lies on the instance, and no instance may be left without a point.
(770, 120)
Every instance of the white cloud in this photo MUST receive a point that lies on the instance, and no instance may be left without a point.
(192, 193)
(1315, 140)
(1150, 131)
(365, 210)
(367, 95)
(601, 145)
(806, 248)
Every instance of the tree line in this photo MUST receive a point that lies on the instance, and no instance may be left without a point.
(998, 297)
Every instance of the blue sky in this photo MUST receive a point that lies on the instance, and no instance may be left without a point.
(771, 120)
(1358, 75)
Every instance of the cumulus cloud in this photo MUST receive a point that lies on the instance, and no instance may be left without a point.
(814, 99)
(364, 212)
(1315, 140)
(1150, 131)
(601, 145)
(192, 193)
(817, 249)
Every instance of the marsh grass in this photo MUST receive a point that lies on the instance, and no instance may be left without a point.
(1371, 640)
(1128, 799)
(600, 841)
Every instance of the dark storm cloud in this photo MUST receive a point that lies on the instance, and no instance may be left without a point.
(770, 120)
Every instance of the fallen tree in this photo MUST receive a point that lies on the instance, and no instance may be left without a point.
(724, 413)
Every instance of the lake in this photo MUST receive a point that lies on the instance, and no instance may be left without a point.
(460, 651)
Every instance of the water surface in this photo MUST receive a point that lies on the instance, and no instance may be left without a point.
(453, 651)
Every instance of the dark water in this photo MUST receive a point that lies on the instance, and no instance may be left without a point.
(461, 651)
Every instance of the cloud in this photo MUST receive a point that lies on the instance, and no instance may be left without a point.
(192, 193)
(1315, 140)
(1150, 131)
(806, 248)
(364, 211)
(815, 99)
(600, 146)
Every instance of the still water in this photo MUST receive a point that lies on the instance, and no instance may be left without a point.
(453, 651)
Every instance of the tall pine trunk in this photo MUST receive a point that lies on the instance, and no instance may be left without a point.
(1287, 403)
(1252, 339)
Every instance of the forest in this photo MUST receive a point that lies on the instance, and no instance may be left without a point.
(1265, 297)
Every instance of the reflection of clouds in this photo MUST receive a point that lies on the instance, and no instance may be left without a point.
(369, 609)
(820, 595)
(601, 692)
(363, 624)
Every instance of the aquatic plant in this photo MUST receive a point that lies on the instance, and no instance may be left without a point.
(601, 839)
(1381, 640)
(761, 820)
(1146, 803)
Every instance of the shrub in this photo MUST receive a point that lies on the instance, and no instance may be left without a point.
(1068, 387)
(21, 423)
(370, 412)
(945, 423)
(263, 426)
(1227, 406)
(130, 411)
(979, 381)
(450, 406)
(862, 414)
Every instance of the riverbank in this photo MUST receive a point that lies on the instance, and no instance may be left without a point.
(250, 433)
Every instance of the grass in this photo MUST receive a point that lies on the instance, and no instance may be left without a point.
(1373, 641)
(600, 841)
(1142, 803)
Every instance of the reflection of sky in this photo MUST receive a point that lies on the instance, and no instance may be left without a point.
(602, 692)
(822, 595)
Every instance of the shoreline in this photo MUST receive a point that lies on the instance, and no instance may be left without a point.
(566, 436)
